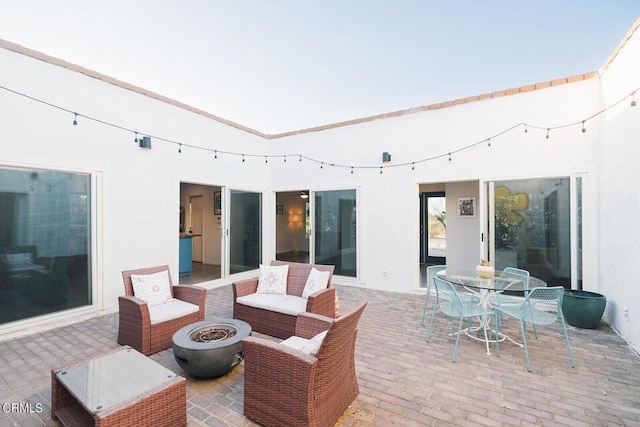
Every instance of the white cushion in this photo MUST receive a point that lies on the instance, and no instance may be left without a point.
(153, 288)
(173, 309)
(313, 346)
(295, 342)
(286, 304)
(316, 281)
(273, 279)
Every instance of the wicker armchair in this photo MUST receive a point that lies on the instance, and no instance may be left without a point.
(136, 327)
(285, 386)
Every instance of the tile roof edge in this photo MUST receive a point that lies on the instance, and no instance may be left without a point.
(14, 47)
(619, 47)
(439, 105)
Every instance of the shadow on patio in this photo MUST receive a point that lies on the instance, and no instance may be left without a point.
(404, 381)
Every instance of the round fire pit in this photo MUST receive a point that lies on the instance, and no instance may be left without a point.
(210, 348)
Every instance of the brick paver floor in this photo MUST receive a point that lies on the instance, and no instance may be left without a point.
(404, 380)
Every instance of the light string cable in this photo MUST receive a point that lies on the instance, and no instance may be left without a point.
(323, 162)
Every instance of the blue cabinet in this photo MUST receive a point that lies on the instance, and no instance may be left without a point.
(186, 254)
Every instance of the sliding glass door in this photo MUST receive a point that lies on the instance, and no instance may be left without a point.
(535, 224)
(245, 230)
(334, 230)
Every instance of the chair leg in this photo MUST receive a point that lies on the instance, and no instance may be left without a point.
(524, 343)
(424, 306)
(433, 314)
(566, 339)
(455, 348)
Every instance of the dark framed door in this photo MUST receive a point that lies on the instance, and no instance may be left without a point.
(433, 228)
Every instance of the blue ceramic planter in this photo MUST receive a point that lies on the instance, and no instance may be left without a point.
(583, 309)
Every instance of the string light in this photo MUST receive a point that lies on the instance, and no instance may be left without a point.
(352, 168)
(266, 160)
(380, 170)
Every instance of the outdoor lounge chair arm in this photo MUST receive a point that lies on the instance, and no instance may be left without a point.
(309, 325)
(323, 302)
(134, 319)
(192, 294)
(246, 287)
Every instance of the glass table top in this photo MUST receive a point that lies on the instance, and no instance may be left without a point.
(101, 383)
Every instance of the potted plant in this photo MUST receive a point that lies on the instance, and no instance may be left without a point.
(485, 270)
(583, 309)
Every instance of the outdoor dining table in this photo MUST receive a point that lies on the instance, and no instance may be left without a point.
(483, 288)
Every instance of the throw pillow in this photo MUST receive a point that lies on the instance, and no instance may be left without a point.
(273, 279)
(316, 281)
(313, 346)
(154, 288)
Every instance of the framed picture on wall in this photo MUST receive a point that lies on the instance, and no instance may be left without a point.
(217, 203)
(467, 207)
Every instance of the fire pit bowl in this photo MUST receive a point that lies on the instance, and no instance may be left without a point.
(210, 348)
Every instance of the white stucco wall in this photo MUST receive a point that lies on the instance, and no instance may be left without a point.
(389, 206)
(619, 235)
(138, 191)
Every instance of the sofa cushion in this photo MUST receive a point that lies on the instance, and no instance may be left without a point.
(313, 346)
(285, 304)
(316, 281)
(153, 288)
(309, 346)
(173, 309)
(273, 279)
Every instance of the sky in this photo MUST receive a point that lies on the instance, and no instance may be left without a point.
(282, 65)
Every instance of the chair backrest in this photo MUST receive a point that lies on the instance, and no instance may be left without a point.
(340, 336)
(447, 297)
(432, 270)
(126, 277)
(299, 272)
(513, 273)
(542, 299)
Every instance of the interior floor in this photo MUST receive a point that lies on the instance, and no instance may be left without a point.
(200, 273)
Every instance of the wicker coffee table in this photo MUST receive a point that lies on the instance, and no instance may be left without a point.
(123, 388)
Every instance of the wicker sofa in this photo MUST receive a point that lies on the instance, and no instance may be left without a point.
(282, 324)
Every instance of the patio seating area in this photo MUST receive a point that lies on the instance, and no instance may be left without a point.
(404, 380)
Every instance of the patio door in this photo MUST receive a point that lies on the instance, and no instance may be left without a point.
(334, 230)
(433, 228)
(535, 224)
(244, 233)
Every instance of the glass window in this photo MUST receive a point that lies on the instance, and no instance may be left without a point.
(532, 228)
(335, 230)
(245, 231)
(44, 242)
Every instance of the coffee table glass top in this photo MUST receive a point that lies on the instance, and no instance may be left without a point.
(112, 379)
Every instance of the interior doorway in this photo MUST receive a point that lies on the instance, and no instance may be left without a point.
(200, 233)
(292, 226)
